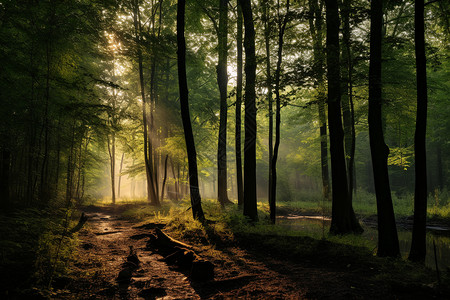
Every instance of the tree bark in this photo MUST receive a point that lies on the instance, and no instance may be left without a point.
(240, 186)
(250, 198)
(343, 219)
(315, 25)
(222, 80)
(267, 29)
(418, 245)
(347, 100)
(185, 115)
(282, 22)
(387, 231)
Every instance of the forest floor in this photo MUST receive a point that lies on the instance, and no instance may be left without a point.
(248, 267)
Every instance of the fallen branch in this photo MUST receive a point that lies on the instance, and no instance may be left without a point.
(81, 222)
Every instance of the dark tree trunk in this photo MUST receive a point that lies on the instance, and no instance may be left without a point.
(185, 115)
(343, 218)
(347, 100)
(267, 30)
(240, 186)
(282, 21)
(165, 177)
(250, 198)
(222, 80)
(315, 25)
(387, 231)
(418, 245)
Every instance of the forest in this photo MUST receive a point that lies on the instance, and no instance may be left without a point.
(224, 149)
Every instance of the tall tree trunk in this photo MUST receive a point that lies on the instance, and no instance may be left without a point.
(222, 80)
(151, 194)
(347, 105)
(316, 25)
(250, 198)
(282, 22)
(240, 186)
(196, 203)
(267, 29)
(418, 245)
(343, 219)
(387, 231)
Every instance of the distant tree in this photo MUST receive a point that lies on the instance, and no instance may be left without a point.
(343, 218)
(418, 244)
(387, 231)
(196, 203)
(250, 199)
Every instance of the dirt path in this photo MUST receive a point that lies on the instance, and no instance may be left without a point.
(103, 251)
(246, 270)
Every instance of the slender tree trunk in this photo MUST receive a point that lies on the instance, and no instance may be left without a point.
(250, 198)
(120, 175)
(316, 25)
(196, 203)
(387, 231)
(343, 219)
(267, 29)
(222, 80)
(418, 245)
(165, 177)
(282, 22)
(151, 194)
(240, 186)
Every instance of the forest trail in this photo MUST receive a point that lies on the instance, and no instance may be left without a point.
(244, 270)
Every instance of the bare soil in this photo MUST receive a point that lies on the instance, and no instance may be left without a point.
(247, 269)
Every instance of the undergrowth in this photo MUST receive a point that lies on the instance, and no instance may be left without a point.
(36, 250)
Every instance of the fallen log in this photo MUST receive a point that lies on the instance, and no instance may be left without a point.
(169, 242)
(182, 255)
